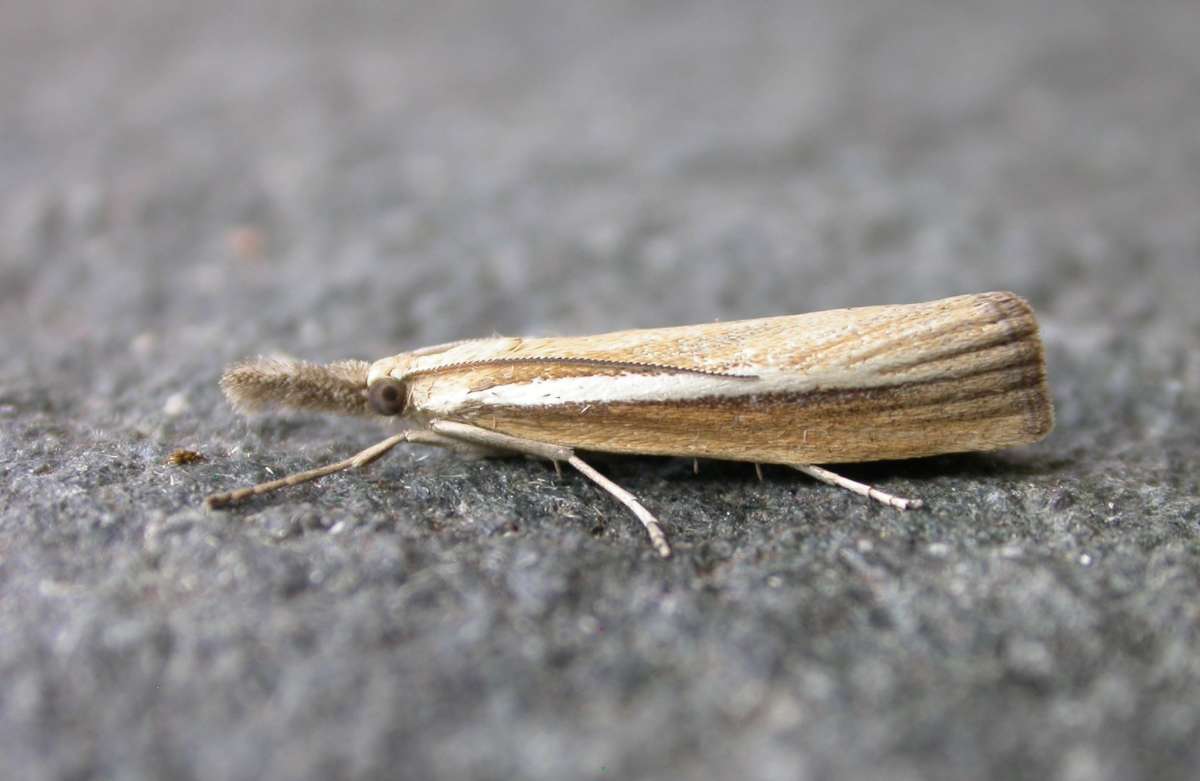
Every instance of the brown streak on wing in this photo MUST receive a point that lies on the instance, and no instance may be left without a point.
(929, 331)
(823, 427)
(945, 328)
(592, 363)
(885, 328)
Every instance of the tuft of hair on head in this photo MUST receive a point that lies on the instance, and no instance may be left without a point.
(262, 382)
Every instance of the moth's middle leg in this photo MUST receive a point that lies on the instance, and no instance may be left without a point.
(495, 440)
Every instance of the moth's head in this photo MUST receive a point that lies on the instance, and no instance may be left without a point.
(339, 387)
(387, 394)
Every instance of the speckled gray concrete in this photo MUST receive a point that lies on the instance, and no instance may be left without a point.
(185, 184)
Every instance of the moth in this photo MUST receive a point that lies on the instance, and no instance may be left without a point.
(847, 385)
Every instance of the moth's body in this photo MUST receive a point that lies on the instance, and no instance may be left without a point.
(883, 382)
(872, 383)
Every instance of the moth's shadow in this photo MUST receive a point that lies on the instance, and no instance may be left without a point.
(959, 465)
(966, 465)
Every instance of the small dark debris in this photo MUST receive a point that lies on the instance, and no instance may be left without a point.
(183, 457)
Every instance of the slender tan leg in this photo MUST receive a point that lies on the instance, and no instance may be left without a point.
(862, 489)
(556, 453)
(356, 461)
(494, 439)
(658, 538)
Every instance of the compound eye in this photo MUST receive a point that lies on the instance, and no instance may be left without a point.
(387, 396)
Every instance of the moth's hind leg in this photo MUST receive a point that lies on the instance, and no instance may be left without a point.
(503, 442)
(862, 489)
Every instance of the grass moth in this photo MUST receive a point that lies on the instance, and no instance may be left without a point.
(847, 385)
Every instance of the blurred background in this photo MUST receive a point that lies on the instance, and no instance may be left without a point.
(184, 184)
(438, 168)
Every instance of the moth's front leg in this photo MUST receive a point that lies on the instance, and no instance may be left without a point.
(356, 461)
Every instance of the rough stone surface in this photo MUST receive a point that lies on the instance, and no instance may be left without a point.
(183, 184)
